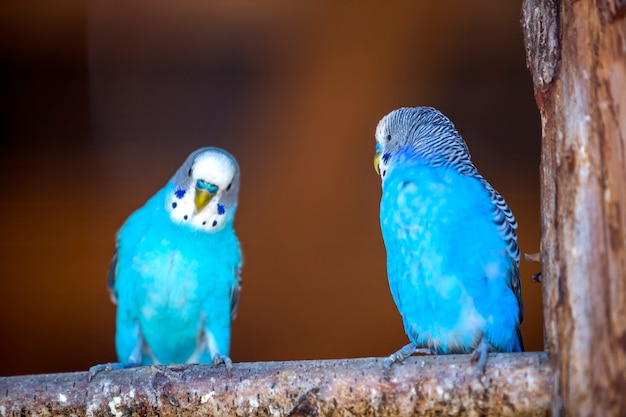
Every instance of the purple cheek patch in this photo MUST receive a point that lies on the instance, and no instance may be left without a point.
(180, 193)
(220, 209)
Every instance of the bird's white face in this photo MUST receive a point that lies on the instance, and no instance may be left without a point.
(201, 202)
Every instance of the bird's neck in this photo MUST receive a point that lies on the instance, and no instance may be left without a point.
(411, 156)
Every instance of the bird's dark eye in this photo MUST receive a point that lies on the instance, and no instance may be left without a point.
(229, 185)
(204, 185)
(388, 138)
(189, 173)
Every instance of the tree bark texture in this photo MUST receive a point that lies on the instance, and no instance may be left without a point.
(513, 384)
(576, 52)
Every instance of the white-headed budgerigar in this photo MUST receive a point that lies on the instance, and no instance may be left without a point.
(452, 252)
(175, 274)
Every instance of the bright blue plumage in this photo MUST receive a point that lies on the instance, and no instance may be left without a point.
(452, 253)
(175, 274)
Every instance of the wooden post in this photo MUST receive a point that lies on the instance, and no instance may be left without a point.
(576, 52)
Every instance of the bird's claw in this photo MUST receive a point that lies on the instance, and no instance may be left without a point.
(223, 359)
(98, 368)
(103, 367)
(94, 370)
(387, 365)
(401, 355)
(480, 355)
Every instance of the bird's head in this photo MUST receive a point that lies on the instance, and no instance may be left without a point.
(423, 132)
(205, 190)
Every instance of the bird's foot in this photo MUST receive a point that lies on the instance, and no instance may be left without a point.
(401, 355)
(108, 367)
(480, 354)
(223, 359)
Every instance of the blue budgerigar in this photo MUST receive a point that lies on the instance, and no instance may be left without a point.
(175, 274)
(452, 252)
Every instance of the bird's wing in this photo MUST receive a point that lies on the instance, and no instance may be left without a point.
(126, 240)
(111, 275)
(504, 219)
(234, 294)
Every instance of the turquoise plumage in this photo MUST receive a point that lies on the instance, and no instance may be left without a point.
(176, 272)
(452, 252)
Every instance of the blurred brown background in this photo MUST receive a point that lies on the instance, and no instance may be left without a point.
(101, 102)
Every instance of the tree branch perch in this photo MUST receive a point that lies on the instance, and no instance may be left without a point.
(514, 384)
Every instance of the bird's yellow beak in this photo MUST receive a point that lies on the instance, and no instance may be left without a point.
(377, 157)
(202, 198)
(204, 193)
